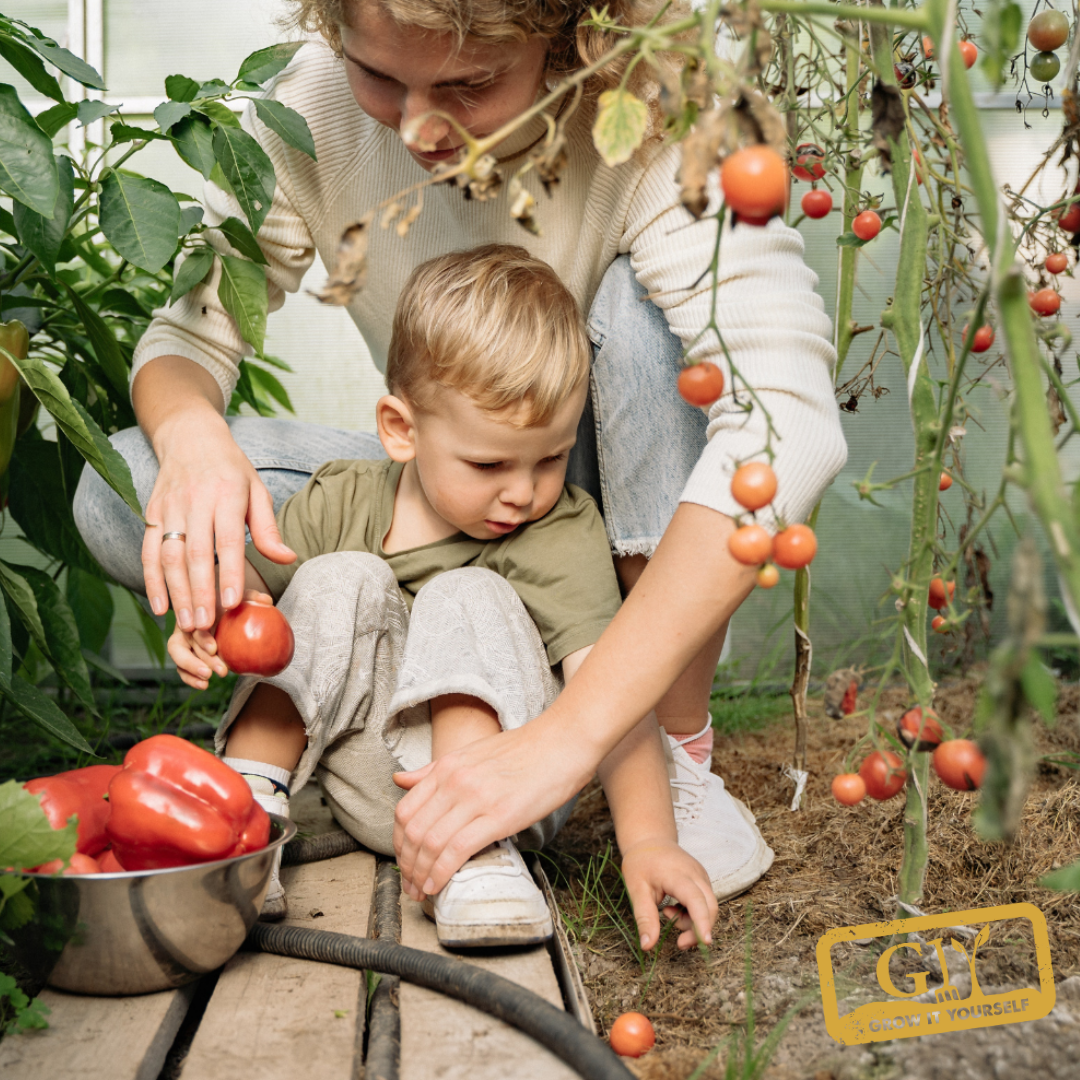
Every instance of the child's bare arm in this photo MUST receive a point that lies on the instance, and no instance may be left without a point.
(636, 784)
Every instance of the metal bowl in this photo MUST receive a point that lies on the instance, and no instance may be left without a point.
(147, 930)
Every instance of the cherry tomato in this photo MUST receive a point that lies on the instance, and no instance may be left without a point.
(851, 698)
(1043, 66)
(984, 338)
(1049, 30)
(906, 75)
(254, 638)
(1056, 263)
(945, 482)
(969, 52)
(795, 547)
(1069, 221)
(939, 624)
(755, 183)
(754, 485)
(809, 158)
(1045, 302)
(848, 788)
(920, 728)
(701, 384)
(631, 1035)
(959, 764)
(751, 545)
(937, 599)
(866, 225)
(883, 774)
(817, 204)
(768, 576)
(928, 47)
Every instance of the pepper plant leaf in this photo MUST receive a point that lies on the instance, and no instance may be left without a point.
(36, 706)
(45, 236)
(265, 63)
(31, 67)
(107, 350)
(26, 837)
(249, 171)
(192, 271)
(141, 219)
(171, 112)
(239, 235)
(67, 62)
(242, 291)
(181, 88)
(92, 605)
(28, 170)
(193, 138)
(287, 123)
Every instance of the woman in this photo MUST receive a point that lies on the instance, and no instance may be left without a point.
(614, 236)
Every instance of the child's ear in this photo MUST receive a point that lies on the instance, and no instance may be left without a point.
(397, 428)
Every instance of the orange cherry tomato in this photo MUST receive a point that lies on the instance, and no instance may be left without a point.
(849, 788)
(755, 183)
(754, 485)
(701, 384)
(751, 545)
(866, 225)
(920, 728)
(928, 47)
(969, 52)
(883, 774)
(939, 624)
(1057, 263)
(1045, 302)
(768, 576)
(795, 547)
(937, 599)
(945, 482)
(817, 204)
(631, 1035)
(959, 764)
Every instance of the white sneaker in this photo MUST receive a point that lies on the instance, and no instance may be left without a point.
(275, 905)
(715, 827)
(491, 900)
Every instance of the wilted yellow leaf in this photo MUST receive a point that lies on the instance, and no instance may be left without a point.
(621, 123)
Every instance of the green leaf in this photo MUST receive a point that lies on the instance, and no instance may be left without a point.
(150, 632)
(267, 383)
(36, 706)
(191, 272)
(242, 291)
(27, 166)
(849, 239)
(67, 62)
(89, 111)
(6, 648)
(141, 219)
(249, 171)
(56, 118)
(1067, 879)
(107, 350)
(125, 133)
(190, 216)
(79, 426)
(16, 910)
(171, 112)
(239, 235)
(287, 123)
(92, 605)
(104, 667)
(45, 236)
(26, 837)
(1040, 688)
(999, 37)
(265, 63)
(220, 114)
(181, 88)
(193, 138)
(620, 125)
(29, 65)
(17, 590)
(213, 88)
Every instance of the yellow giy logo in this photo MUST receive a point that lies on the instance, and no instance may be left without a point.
(903, 1016)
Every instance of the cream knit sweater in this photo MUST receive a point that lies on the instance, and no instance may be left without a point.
(773, 322)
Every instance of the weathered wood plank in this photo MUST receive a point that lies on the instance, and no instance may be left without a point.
(444, 1039)
(98, 1038)
(279, 1019)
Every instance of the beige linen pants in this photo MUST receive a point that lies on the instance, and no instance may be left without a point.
(365, 670)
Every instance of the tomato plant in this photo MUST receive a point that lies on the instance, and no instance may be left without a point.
(632, 1035)
(701, 384)
(755, 183)
(920, 728)
(768, 576)
(848, 789)
(750, 545)
(1048, 30)
(753, 485)
(1045, 302)
(809, 162)
(254, 638)
(938, 599)
(817, 203)
(883, 774)
(960, 764)
(795, 547)
(866, 225)
(969, 52)
(1056, 263)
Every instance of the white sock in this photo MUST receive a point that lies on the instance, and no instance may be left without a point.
(279, 778)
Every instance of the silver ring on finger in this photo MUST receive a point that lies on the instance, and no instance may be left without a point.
(174, 536)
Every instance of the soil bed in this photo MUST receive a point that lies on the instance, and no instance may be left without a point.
(834, 867)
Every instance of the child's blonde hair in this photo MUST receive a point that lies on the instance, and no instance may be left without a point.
(493, 323)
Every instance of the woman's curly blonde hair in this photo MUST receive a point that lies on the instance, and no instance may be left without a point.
(498, 21)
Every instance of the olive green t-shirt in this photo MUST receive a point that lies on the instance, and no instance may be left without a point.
(560, 565)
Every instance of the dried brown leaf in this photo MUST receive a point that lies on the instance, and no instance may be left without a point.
(887, 120)
(1055, 409)
(403, 226)
(699, 156)
(350, 264)
(522, 205)
(550, 160)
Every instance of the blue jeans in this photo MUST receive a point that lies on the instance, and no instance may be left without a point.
(637, 441)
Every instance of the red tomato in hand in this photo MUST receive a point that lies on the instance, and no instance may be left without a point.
(808, 162)
(938, 599)
(701, 384)
(848, 788)
(1057, 263)
(768, 576)
(1069, 221)
(1044, 302)
(795, 547)
(969, 52)
(751, 545)
(755, 183)
(919, 728)
(817, 204)
(959, 764)
(754, 485)
(883, 774)
(984, 338)
(631, 1035)
(254, 638)
(866, 225)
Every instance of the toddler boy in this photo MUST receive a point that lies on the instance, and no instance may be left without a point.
(445, 593)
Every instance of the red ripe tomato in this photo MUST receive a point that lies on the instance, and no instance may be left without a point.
(754, 485)
(848, 788)
(928, 47)
(795, 547)
(866, 225)
(937, 598)
(809, 158)
(984, 338)
(768, 576)
(920, 728)
(969, 52)
(939, 624)
(254, 638)
(751, 545)
(1049, 30)
(945, 482)
(701, 384)
(755, 183)
(1069, 221)
(1056, 263)
(1045, 302)
(883, 774)
(959, 764)
(631, 1035)
(817, 204)
(851, 698)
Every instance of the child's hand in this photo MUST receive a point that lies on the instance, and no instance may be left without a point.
(656, 868)
(195, 656)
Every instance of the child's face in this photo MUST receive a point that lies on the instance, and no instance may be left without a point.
(479, 473)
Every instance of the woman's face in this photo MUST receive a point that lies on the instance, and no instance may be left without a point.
(398, 73)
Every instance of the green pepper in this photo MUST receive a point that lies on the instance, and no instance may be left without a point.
(15, 340)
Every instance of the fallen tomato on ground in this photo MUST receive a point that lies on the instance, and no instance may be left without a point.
(632, 1035)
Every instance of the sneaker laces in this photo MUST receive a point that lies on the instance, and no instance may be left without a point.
(690, 779)
(494, 859)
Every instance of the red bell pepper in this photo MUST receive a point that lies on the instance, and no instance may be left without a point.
(175, 804)
(78, 864)
(80, 792)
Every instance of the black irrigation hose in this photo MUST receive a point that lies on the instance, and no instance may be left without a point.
(316, 848)
(549, 1026)
(382, 1061)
